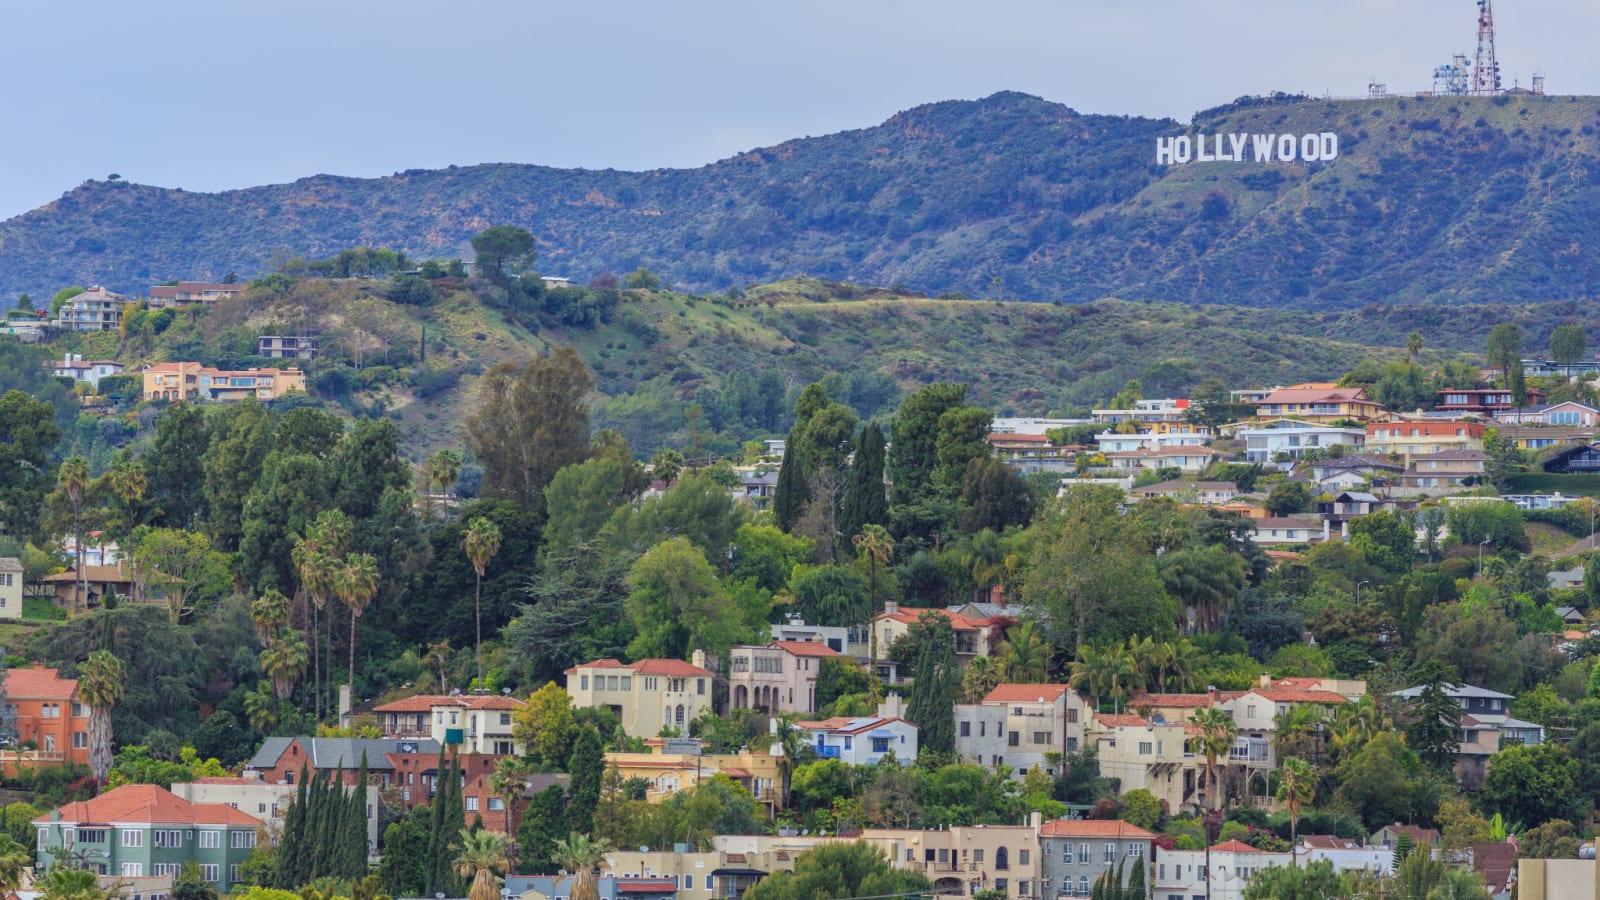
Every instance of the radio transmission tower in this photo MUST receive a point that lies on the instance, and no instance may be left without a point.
(1485, 70)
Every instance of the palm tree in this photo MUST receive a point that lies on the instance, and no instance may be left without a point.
(875, 546)
(509, 779)
(1149, 657)
(1296, 787)
(261, 707)
(482, 857)
(482, 542)
(789, 741)
(1183, 664)
(1299, 730)
(63, 882)
(981, 677)
(666, 465)
(269, 612)
(1024, 655)
(356, 583)
(284, 661)
(1354, 724)
(582, 855)
(1104, 671)
(73, 479)
(128, 481)
(14, 858)
(440, 471)
(1414, 347)
(317, 569)
(1217, 734)
(100, 686)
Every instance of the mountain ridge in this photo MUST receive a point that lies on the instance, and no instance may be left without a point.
(1434, 199)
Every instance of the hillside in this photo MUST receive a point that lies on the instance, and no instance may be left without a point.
(1437, 199)
(654, 353)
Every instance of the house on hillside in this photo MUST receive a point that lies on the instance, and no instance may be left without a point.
(1020, 725)
(865, 740)
(1486, 727)
(1145, 412)
(778, 677)
(1319, 403)
(1450, 469)
(648, 694)
(72, 365)
(11, 575)
(1355, 470)
(1077, 853)
(49, 716)
(1407, 438)
(141, 830)
(468, 723)
(1282, 441)
(1582, 459)
(1208, 493)
(1567, 412)
(188, 293)
(1482, 401)
(1286, 530)
(96, 309)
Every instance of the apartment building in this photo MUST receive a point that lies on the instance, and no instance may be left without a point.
(1018, 725)
(1078, 853)
(649, 695)
(278, 346)
(261, 799)
(11, 577)
(963, 860)
(49, 716)
(1153, 753)
(187, 293)
(96, 309)
(1420, 437)
(1223, 873)
(139, 830)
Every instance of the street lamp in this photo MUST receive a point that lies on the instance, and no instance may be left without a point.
(1481, 544)
(1358, 591)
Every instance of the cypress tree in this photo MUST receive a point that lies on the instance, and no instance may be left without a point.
(436, 841)
(317, 830)
(454, 813)
(864, 502)
(353, 833)
(287, 867)
(588, 768)
(1135, 888)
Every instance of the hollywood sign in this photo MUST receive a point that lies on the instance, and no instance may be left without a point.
(1261, 148)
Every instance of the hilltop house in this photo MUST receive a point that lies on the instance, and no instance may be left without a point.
(96, 309)
(1209, 493)
(779, 677)
(647, 695)
(192, 381)
(72, 365)
(187, 293)
(1319, 403)
(1018, 725)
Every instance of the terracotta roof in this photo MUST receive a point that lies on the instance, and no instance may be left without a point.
(1094, 828)
(243, 780)
(418, 704)
(996, 437)
(1315, 394)
(1027, 693)
(1277, 695)
(482, 701)
(148, 804)
(1233, 846)
(1176, 701)
(1329, 842)
(1123, 720)
(806, 648)
(673, 668)
(39, 683)
(910, 615)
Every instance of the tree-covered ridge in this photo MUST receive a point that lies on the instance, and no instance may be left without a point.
(1451, 199)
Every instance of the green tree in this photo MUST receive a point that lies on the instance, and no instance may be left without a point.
(233, 467)
(1204, 580)
(865, 500)
(1024, 655)
(481, 542)
(840, 870)
(182, 566)
(1436, 716)
(356, 583)
(1288, 497)
(588, 767)
(545, 724)
(176, 463)
(1141, 808)
(1386, 539)
(1217, 734)
(531, 421)
(580, 498)
(101, 683)
(678, 604)
(503, 250)
(994, 496)
(936, 679)
(1315, 881)
(1535, 784)
(191, 884)
(583, 856)
(1414, 347)
(1567, 343)
(642, 279)
(31, 433)
(544, 822)
(1505, 347)
(442, 470)
(72, 481)
(913, 456)
(1297, 786)
(961, 440)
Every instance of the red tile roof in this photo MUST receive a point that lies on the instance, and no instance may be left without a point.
(1176, 701)
(143, 804)
(1296, 696)
(39, 683)
(672, 668)
(806, 648)
(910, 614)
(1027, 693)
(420, 703)
(1094, 828)
(1233, 846)
(1123, 720)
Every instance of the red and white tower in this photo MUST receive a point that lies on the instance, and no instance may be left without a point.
(1485, 70)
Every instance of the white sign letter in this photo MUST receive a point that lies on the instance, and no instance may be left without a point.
(1262, 144)
(1181, 150)
(1286, 147)
(1236, 142)
(1200, 150)
(1330, 146)
(1310, 148)
(1163, 151)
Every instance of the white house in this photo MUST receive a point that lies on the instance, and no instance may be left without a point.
(1146, 412)
(1286, 530)
(1347, 855)
(1291, 439)
(1232, 866)
(73, 366)
(1111, 442)
(1018, 725)
(863, 740)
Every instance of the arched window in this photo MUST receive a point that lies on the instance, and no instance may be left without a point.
(1002, 860)
(682, 720)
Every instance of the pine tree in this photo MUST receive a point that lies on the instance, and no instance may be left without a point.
(588, 768)
(865, 502)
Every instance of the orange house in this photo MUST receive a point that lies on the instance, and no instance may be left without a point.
(48, 715)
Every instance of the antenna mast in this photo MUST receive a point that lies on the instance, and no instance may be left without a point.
(1485, 70)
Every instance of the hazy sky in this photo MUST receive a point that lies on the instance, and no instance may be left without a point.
(231, 93)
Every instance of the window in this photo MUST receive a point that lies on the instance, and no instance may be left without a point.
(710, 882)
(160, 869)
(1134, 850)
(1000, 885)
(847, 742)
(44, 838)
(242, 840)
(1083, 853)
(966, 729)
(944, 854)
(91, 835)
(651, 683)
(472, 804)
(132, 838)
(79, 711)
(613, 683)
(627, 682)
(1111, 852)
(211, 872)
(1002, 859)
(688, 882)
(1146, 748)
(1041, 737)
(505, 718)
(80, 740)
(1083, 885)
(132, 870)
(496, 804)
(1066, 854)
(977, 855)
(1013, 739)
(168, 839)
(210, 840)
(1022, 888)
(49, 743)
(233, 873)
(1022, 857)
(583, 685)
(880, 745)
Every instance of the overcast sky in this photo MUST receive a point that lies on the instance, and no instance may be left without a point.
(231, 93)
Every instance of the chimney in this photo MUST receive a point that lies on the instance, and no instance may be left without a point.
(698, 659)
(1266, 680)
(997, 595)
(1035, 820)
(344, 700)
(892, 707)
(890, 607)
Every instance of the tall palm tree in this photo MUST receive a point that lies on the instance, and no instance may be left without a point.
(73, 480)
(129, 482)
(269, 612)
(318, 570)
(483, 856)
(261, 707)
(356, 583)
(1296, 787)
(1104, 672)
(789, 740)
(1183, 663)
(1149, 656)
(981, 677)
(1354, 724)
(441, 470)
(284, 660)
(1217, 734)
(666, 465)
(582, 856)
(509, 779)
(1299, 730)
(876, 546)
(100, 687)
(482, 542)
(1414, 347)
(1024, 655)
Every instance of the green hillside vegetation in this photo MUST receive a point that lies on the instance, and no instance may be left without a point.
(1013, 197)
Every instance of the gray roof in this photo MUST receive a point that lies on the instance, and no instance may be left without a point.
(10, 564)
(1458, 691)
(1357, 461)
(1357, 496)
(333, 753)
